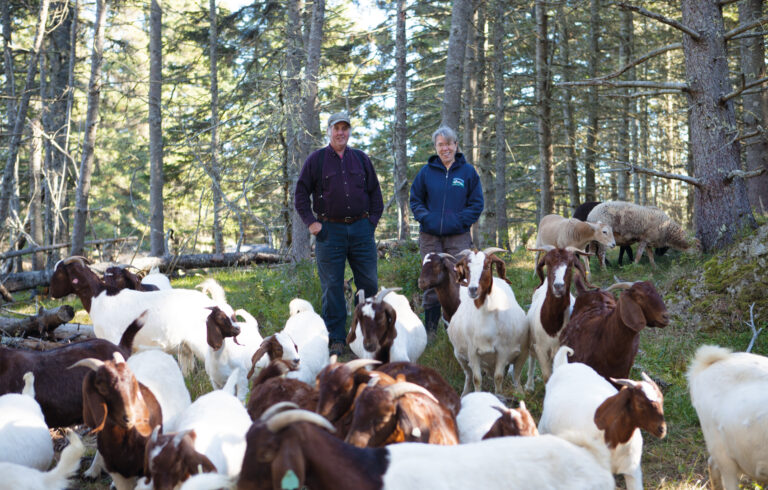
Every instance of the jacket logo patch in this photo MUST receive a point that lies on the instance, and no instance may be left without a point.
(457, 182)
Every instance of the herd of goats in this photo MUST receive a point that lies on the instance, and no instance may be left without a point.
(285, 415)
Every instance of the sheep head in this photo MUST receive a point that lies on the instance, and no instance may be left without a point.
(603, 233)
(377, 324)
(637, 404)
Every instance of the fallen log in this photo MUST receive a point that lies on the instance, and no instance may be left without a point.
(28, 280)
(5, 294)
(68, 331)
(41, 323)
(33, 344)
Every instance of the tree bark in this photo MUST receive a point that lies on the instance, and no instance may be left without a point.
(755, 106)
(590, 152)
(6, 188)
(543, 104)
(156, 220)
(454, 64)
(91, 125)
(213, 37)
(721, 209)
(310, 112)
(625, 55)
(502, 237)
(41, 324)
(10, 82)
(569, 125)
(401, 134)
(36, 192)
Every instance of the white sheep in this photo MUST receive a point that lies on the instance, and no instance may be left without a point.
(19, 477)
(489, 330)
(385, 328)
(309, 333)
(579, 399)
(729, 391)
(24, 436)
(648, 225)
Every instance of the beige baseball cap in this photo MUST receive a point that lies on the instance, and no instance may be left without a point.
(337, 118)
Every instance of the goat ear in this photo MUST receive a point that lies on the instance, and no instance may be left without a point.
(461, 271)
(630, 312)
(260, 352)
(611, 417)
(289, 458)
(501, 268)
(94, 406)
(540, 271)
(214, 337)
(351, 336)
(391, 318)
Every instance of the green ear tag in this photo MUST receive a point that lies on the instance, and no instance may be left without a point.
(290, 481)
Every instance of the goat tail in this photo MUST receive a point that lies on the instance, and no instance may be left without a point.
(705, 356)
(231, 384)
(126, 341)
(214, 290)
(561, 357)
(69, 463)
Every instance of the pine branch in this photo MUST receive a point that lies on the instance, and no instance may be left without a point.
(641, 59)
(680, 86)
(653, 15)
(744, 175)
(744, 86)
(745, 27)
(665, 175)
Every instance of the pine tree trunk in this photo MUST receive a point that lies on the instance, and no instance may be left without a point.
(569, 124)
(721, 206)
(543, 104)
(36, 192)
(625, 55)
(401, 135)
(755, 104)
(156, 225)
(6, 189)
(500, 183)
(454, 64)
(218, 235)
(590, 152)
(10, 83)
(310, 112)
(91, 125)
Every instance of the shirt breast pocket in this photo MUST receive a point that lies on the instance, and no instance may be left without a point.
(330, 177)
(357, 178)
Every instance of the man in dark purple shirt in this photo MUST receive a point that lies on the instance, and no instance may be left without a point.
(347, 204)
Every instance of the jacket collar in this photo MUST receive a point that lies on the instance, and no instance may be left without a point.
(434, 161)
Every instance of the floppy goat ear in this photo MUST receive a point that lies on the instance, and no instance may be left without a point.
(461, 271)
(391, 314)
(94, 406)
(540, 271)
(630, 312)
(351, 336)
(501, 268)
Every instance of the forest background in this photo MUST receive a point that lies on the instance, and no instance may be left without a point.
(184, 124)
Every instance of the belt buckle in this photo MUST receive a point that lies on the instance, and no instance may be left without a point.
(348, 219)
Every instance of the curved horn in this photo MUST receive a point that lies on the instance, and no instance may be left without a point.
(118, 358)
(333, 359)
(277, 408)
(361, 296)
(620, 285)
(91, 363)
(446, 256)
(543, 249)
(401, 388)
(356, 364)
(625, 382)
(492, 250)
(463, 253)
(579, 251)
(506, 410)
(647, 378)
(284, 419)
(76, 258)
(155, 433)
(384, 291)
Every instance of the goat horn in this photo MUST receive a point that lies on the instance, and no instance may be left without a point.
(277, 408)
(492, 250)
(625, 382)
(620, 285)
(155, 433)
(647, 378)
(118, 358)
(333, 359)
(361, 296)
(356, 364)
(507, 410)
(463, 253)
(180, 435)
(401, 388)
(76, 258)
(446, 255)
(91, 362)
(544, 248)
(521, 406)
(384, 291)
(284, 419)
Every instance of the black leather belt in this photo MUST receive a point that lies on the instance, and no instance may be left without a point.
(346, 219)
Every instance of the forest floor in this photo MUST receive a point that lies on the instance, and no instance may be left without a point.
(708, 295)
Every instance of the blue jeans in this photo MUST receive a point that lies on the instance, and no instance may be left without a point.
(335, 244)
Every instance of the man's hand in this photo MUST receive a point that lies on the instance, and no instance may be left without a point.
(315, 228)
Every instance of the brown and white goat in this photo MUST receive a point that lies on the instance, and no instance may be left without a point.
(399, 412)
(123, 413)
(513, 422)
(551, 304)
(437, 271)
(489, 331)
(579, 399)
(121, 278)
(385, 328)
(484, 416)
(172, 458)
(271, 387)
(603, 332)
(59, 390)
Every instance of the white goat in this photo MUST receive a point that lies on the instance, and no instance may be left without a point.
(24, 436)
(489, 330)
(232, 355)
(157, 278)
(19, 477)
(309, 333)
(730, 394)
(219, 422)
(385, 328)
(579, 399)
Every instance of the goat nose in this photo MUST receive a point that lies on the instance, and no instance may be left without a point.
(472, 291)
(126, 419)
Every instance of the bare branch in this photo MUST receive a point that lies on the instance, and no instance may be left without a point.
(680, 86)
(745, 27)
(744, 175)
(636, 95)
(751, 325)
(736, 93)
(642, 59)
(665, 175)
(746, 136)
(727, 2)
(653, 15)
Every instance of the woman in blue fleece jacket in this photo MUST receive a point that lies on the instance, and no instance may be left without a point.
(446, 200)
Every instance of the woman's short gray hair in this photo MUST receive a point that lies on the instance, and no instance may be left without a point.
(447, 134)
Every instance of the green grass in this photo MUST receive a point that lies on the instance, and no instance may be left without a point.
(712, 315)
